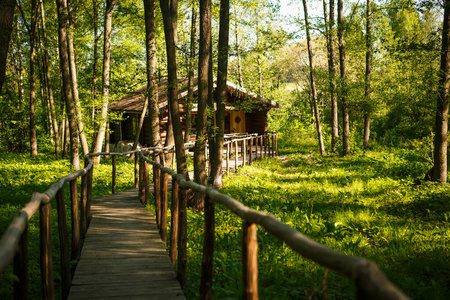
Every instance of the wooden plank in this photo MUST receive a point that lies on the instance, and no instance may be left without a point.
(123, 255)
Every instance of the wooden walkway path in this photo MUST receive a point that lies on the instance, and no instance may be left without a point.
(123, 255)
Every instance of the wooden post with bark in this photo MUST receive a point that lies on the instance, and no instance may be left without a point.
(64, 244)
(47, 288)
(21, 267)
(163, 209)
(208, 251)
(113, 181)
(75, 220)
(249, 261)
(174, 210)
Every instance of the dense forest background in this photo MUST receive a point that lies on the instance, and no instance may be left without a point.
(405, 66)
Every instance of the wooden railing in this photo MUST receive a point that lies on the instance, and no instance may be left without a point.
(369, 280)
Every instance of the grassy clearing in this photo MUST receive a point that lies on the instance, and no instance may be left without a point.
(20, 175)
(364, 205)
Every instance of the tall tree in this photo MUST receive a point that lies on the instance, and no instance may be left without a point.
(312, 82)
(222, 73)
(95, 58)
(238, 49)
(32, 78)
(441, 131)
(344, 99)
(368, 74)
(329, 29)
(110, 4)
(169, 11)
(152, 84)
(6, 24)
(200, 175)
(190, 95)
(73, 75)
(63, 22)
(49, 89)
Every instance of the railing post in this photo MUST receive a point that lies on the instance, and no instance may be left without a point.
(84, 191)
(228, 158)
(250, 261)
(250, 150)
(174, 222)
(208, 251)
(113, 174)
(266, 145)
(164, 200)
(244, 151)
(64, 243)
(273, 145)
(75, 220)
(47, 288)
(236, 159)
(261, 143)
(136, 162)
(141, 179)
(276, 144)
(89, 196)
(146, 184)
(182, 240)
(21, 267)
(157, 193)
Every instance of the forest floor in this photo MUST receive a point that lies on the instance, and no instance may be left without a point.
(365, 205)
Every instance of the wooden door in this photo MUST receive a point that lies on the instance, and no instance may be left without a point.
(237, 122)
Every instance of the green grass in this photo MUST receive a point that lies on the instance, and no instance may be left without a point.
(364, 205)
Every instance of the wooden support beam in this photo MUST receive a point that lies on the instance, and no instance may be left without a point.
(208, 251)
(146, 184)
(250, 261)
(157, 193)
(174, 222)
(182, 239)
(83, 209)
(47, 288)
(21, 267)
(76, 244)
(141, 180)
(136, 171)
(113, 174)
(164, 204)
(64, 243)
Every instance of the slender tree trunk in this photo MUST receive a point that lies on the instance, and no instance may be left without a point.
(238, 51)
(440, 137)
(210, 111)
(67, 88)
(152, 84)
(200, 175)
(312, 82)
(32, 79)
(95, 62)
(222, 73)
(6, 25)
(110, 4)
(190, 96)
(48, 82)
(367, 91)
(344, 100)
(169, 11)
(73, 75)
(259, 74)
(329, 25)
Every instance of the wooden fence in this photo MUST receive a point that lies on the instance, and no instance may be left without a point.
(368, 279)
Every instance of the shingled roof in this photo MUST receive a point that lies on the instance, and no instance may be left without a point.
(134, 102)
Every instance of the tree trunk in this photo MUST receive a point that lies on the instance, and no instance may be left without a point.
(169, 11)
(312, 82)
(32, 78)
(344, 100)
(73, 75)
(190, 96)
(238, 51)
(440, 137)
(367, 105)
(6, 25)
(152, 84)
(66, 79)
(48, 82)
(95, 62)
(329, 27)
(222, 73)
(110, 4)
(200, 175)
(259, 74)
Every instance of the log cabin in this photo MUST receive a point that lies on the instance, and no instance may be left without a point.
(246, 112)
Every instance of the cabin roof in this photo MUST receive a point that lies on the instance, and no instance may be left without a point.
(134, 101)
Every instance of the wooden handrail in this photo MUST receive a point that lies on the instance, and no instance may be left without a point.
(369, 280)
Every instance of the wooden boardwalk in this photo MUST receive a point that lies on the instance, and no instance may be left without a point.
(123, 255)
